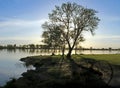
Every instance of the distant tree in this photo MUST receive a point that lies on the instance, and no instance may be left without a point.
(91, 48)
(24, 46)
(10, 46)
(67, 24)
(32, 46)
(1, 47)
(37, 46)
(14, 46)
(109, 48)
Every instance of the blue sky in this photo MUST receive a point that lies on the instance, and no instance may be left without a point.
(20, 21)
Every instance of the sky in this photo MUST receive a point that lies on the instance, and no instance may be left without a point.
(21, 20)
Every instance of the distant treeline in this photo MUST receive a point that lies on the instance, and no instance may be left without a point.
(37, 46)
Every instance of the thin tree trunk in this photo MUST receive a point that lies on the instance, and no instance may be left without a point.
(63, 51)
(69, 53)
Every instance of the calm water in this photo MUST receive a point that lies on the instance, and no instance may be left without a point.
(11, 67)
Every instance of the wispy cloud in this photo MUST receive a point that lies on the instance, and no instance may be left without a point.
(20, 31)
(100, 37)
(102, 41)
(17, 22)
(108, 36)
(20, 40)
(17, 27)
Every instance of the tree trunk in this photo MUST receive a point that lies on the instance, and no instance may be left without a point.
(63, 51)
(69, 53)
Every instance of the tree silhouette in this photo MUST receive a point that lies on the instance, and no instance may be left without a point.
(67, 24)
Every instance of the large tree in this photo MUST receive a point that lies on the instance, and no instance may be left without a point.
(67, 23)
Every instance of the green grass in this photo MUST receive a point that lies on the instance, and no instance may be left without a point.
(111, 58)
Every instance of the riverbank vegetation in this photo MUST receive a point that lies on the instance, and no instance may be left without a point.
(48, 48)
(83, 71)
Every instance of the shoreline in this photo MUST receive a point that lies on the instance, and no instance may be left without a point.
(47, 72)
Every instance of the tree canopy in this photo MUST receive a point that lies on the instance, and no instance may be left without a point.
(67, 24)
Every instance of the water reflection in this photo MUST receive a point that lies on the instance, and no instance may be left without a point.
(49, 51)
(10, 66)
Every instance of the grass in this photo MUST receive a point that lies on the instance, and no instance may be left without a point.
(111, 58)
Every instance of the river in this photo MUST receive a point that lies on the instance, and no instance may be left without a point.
(11, 67)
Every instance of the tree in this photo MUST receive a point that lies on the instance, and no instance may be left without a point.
(32, 46)
(72, 21)
(52, 36)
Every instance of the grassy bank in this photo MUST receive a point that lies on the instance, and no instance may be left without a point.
(111, 58)
(82, 71)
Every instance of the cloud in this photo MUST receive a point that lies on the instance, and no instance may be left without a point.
(17, 31)
(98, 36)
(20, 40)
(17, 27)
(23, 23)
(102, 41)
(109, 37)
